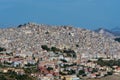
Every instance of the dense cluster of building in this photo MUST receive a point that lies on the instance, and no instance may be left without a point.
(24, 43)
(58, 64)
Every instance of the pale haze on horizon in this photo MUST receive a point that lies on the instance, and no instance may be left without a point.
(90, 14)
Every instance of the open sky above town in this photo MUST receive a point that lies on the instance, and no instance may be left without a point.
(90, 14)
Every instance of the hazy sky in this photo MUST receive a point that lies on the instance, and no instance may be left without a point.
(81, 13)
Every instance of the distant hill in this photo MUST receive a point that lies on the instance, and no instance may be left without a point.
(105, 32)
(28, 38)
(116, 31)
(113, 33)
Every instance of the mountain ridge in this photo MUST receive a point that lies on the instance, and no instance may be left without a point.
(115, 32)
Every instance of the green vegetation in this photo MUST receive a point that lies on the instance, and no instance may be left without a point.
(110, 73)
(77, 45)
(71, 72)
(30, 65)
(117, 39)
(54, 49)
(70, 53)
(2, 49)
(81, 72)
(31, 70)
(1, 65)
(94, 70)
(49, 68)
(46, 32)
(63, 60)
(11, 75)
(109, 63)
(61, 73)
(68, 65)
(45, 47)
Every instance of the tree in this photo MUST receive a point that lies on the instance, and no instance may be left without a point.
(27, 70)
(94, 70)
(111, 63)
(63, 60)
(77, 45)
(81, 72)
(2, 49)
(71, 72)
(45, 47)
(2, 77)
(49, 68)
(101, 62)
(54, 49)
(47, 32)
(110, 73)
(118, 62)
(70, 53)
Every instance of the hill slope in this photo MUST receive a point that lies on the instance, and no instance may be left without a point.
(28, 38)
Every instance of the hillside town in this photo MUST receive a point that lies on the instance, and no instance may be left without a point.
(43, 52)
(56, 64)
